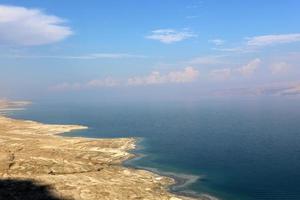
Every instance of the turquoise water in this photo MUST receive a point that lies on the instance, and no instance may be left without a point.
(230, 149)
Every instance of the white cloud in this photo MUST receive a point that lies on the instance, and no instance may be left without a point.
(250, 67)
(221, 74)
(23, 26)
(95, 83)
(189, 74)
(217, 42)
(66, 86)
(279, 68)
(168, 36)
(266, 40)
(254, 44)
(107, 82)
(242, 49)
(226, 73)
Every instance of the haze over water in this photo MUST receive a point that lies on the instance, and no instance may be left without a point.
(210, 87)
(246, 148)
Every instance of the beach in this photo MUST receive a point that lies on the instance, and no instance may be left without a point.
(74, 167)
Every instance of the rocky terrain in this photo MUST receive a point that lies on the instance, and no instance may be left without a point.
(37, 163)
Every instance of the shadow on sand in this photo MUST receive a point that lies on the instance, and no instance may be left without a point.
(12, 189)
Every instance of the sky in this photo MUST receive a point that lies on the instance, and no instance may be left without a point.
(138, 49)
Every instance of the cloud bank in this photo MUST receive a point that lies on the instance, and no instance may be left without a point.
(246, 70)
(186, 75)
(95, 83)
(250, 67)
(28, 27)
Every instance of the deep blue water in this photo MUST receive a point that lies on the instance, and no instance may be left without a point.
(241, 149)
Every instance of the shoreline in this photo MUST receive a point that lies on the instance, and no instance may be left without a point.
(180, 180)
(34, 151)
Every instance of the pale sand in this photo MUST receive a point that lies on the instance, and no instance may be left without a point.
(75, 168)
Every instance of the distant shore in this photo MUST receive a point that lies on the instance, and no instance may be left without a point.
(11, 105)
(75, 167)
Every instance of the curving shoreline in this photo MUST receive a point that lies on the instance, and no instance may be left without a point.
(75, 167)
(181, 181)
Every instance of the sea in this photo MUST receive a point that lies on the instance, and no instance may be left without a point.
(235, 148)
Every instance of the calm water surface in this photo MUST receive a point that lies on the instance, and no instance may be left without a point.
(240, 149)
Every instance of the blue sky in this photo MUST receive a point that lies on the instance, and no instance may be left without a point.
(176, 49)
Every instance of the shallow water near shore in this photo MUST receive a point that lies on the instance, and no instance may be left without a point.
(230, 149)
